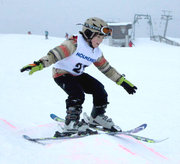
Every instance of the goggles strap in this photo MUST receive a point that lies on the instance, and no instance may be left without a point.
(101, 30)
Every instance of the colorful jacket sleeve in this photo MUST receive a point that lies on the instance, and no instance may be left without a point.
(60, 52)
(103, 65)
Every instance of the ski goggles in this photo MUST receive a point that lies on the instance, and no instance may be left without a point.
(103, 30)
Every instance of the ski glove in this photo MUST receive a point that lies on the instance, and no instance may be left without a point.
(129, 87)
(36, 66)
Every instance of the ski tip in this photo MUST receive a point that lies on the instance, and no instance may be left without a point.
(162, 139)
(25, 136)
(52, 115)
(144, 125)
(156, 141)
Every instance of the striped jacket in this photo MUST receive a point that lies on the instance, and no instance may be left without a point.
(67, 48)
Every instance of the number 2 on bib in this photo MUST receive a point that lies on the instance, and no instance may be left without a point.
(79, 68)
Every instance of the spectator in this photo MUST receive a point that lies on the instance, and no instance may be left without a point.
(46, 34)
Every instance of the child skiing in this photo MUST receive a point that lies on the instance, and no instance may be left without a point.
(70, 60)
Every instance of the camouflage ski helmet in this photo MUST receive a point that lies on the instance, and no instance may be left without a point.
(94, 26)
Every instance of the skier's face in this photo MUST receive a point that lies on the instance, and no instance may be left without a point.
(97, 40)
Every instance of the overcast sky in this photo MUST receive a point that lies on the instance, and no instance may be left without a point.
(61, 16)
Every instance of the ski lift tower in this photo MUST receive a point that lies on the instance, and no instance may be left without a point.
(138, 17)
(166, 16)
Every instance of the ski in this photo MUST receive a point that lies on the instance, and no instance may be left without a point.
(86, 118)
(128, 132)
(76, 136)
(38, 140)
(101, 131)
(145, 139)
(134, 130)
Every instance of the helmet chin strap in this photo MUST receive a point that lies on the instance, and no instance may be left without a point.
(87, 39)
(90, 44)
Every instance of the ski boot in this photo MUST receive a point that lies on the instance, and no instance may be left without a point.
(98, 118)
(73, 125)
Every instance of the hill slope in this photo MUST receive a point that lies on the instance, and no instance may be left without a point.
(26, 102)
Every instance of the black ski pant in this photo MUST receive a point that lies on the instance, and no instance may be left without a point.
(77, 86)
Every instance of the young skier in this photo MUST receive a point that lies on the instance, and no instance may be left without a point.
(70, 59)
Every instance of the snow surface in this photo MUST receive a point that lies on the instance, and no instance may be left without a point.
(26, 102)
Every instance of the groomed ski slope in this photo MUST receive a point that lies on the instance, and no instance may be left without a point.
(26, 102)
